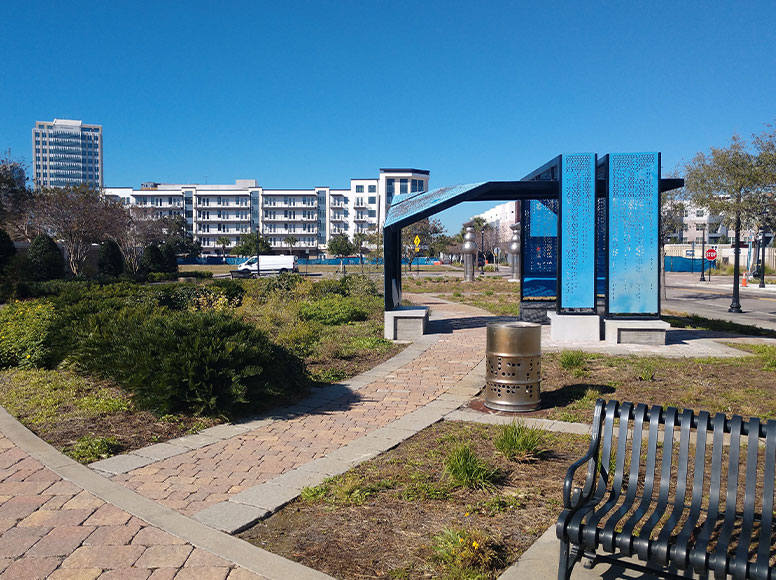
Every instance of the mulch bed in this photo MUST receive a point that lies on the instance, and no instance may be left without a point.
(390, 534)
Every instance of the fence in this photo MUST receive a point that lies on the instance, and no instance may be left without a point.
(349, 261)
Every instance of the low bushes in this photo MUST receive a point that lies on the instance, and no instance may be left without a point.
(333, 310)
(205, 362)
(27, 331)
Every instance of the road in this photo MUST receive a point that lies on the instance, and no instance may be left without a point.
(712, 299)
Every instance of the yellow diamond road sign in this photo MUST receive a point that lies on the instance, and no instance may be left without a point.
(417, 242)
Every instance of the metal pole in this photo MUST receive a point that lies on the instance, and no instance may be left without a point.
(735, 305)
(482, 249)
(258, 262)
(762, 262)
(703, 255)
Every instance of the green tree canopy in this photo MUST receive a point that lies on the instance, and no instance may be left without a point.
(45, 259)
(340, 246)
(110, 262)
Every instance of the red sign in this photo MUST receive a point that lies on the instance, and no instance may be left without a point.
(711, 254)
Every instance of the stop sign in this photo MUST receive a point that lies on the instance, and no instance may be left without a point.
(711, 254)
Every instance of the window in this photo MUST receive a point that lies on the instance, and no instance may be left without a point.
(403, 185)
(390, 184)
(359, 189)
(685, 227)
(372, 200)
(699, 213)
(372, 189)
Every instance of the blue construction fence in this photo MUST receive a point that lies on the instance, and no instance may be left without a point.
(350, 261)
(682, 264)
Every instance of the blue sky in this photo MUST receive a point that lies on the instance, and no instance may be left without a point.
(300, 94)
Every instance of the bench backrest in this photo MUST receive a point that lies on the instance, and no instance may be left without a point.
(636, 438)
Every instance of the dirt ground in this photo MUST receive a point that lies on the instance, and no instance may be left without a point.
(379, 520)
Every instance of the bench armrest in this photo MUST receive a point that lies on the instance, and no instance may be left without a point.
(573, 497)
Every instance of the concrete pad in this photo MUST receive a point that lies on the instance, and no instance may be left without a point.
(121, 463)
(297, 479)
(327, 466)
(575, 327)
(231, 517)
(540, 562)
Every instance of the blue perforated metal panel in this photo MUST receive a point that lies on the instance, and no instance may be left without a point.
(633, 233)
(540, 249)
(409, 204)
(577, 232)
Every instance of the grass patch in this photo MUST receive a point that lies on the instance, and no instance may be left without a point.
(519, 442)
(572, 359)
(467, 554)
(467, 469)
(683, 320)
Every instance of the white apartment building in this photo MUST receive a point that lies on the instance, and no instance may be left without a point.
(502, 216)
(66, 152)
(311, 216)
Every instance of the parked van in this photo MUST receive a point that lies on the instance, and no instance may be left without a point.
(269, 264)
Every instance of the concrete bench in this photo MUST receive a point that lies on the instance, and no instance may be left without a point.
(406, 322)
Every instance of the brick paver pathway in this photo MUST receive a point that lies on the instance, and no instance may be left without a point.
(51, 528)
(197, 479)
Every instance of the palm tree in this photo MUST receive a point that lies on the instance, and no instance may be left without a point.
(290, 242)
(223, 241)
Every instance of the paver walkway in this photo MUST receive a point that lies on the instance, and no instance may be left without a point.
(192, 481)
(52, 528)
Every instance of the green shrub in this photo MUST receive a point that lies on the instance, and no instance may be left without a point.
(326, 288)
(283, 282)
(90, 448)
(27, 334)
(232, 289)
(110, 262)
(333, 310)
(169, 258)
(358, 285)
(45, 259)
(467, 469)
(161, 276)
(201, 362)
(7, 249)
(520, 442)
(153, 260)
(197, 274)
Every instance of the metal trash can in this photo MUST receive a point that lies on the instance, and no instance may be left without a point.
(513, 360)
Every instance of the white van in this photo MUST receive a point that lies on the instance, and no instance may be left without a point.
(269, 264)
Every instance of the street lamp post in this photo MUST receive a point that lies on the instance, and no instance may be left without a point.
(703, 253)
(482, 249)
(762, 262)
(735, 304)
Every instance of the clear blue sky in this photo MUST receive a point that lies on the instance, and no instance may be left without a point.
(306, 93)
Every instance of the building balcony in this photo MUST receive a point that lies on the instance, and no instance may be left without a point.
(360, 203)
(338, 218)
(216, 219)
(361, 218)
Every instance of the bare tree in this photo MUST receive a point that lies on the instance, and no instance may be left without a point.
(138, 229)
(77, 217)
(15, 199)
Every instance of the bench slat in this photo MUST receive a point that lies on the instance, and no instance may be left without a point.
(718, 559)
(679, 549)
(626, 539)
(641, 543)
(762, 570)
(607, 534)
(591, 531)
(739, 564)
(699, 553)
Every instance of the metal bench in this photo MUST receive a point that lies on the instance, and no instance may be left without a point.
(708, 509)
